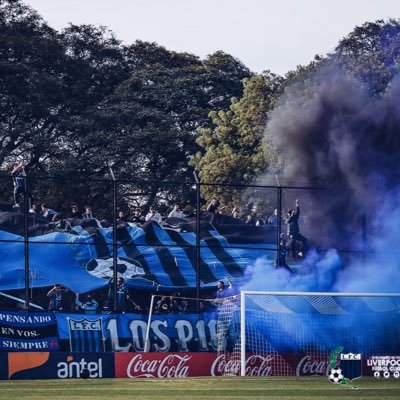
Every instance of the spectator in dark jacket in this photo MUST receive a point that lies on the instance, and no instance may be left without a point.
(223, 290)
(292, 221)
(75, 213)
(88, 214)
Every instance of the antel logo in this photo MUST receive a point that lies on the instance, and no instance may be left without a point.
(72, 369)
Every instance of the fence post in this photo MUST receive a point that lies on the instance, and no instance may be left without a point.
(115, 243)
(26, 244)
(278, 221)
(197, 237)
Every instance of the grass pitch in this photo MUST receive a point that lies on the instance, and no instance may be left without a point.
(219, 388)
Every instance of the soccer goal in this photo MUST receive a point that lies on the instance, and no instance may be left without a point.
(263, 332)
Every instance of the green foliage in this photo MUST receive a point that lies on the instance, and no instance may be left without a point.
(333, 356)
(31, 65)
(371, 54)
(233, 151)
(153, 116)
(75, 102)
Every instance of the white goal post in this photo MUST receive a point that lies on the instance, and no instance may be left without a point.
(271, 322)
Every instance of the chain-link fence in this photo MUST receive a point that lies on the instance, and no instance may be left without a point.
(168, 237)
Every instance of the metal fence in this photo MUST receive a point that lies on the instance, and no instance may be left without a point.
(36, 250)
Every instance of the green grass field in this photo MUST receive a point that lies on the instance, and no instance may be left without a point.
(221, 388)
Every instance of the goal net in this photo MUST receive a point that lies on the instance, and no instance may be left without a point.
(263, 332)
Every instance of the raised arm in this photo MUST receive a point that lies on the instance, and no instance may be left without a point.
(77, 302)
(17, 168)
(229, 282)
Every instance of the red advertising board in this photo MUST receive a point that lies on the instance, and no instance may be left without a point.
(163, 365)
(180, 365)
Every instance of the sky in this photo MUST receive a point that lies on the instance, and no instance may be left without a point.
(275, 35)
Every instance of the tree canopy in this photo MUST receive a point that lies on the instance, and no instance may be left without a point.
(233, 152)
(75, 102)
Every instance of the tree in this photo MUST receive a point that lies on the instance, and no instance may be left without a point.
(31, 63)
(95, 64)
(226, 74)
(149, 123)
(50, 83)
(233, 151)
(371, 54)
(73, 103)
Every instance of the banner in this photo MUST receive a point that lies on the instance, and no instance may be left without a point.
(59, 365)
(182, 365)
(163, 365)
(127, 332)
(149, 257)
(22, 331)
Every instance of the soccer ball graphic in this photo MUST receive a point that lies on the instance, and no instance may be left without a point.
(127, 268)
(336, 376)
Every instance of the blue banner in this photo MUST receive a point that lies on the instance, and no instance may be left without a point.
(127, 332)
(21, 331)
(150, 256)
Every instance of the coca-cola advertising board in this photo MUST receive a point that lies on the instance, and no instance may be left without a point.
(181, 365)
(162, 365)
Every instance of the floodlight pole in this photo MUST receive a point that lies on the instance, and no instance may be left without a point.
(196, 178)
(115, 243)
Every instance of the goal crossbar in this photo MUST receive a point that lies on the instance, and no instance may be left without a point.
(332, 294)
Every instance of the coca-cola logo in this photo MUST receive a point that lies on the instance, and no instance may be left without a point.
(307, 366)
(171, 366)
(256, 365)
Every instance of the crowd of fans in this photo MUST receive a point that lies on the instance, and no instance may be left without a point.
(62, 299)
(132, 214)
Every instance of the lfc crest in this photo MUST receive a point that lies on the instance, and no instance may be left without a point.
(351, 365)
(86, 335)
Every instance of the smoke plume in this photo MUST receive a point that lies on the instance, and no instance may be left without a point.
(332, 133)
